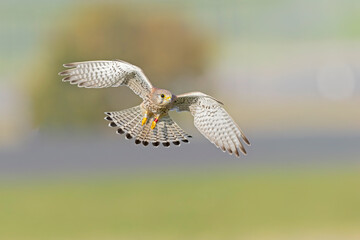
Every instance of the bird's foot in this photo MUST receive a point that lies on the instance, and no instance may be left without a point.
(153, 125)
(144, 119)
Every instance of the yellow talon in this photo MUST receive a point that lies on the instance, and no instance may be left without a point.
(144, 121)
(153, 125)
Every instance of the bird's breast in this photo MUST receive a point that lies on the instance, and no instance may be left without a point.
(154, 108)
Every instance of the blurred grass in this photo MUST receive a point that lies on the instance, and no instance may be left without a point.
(212, 205)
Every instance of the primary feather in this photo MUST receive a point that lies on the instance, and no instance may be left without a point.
(212, 120)
(103, 74)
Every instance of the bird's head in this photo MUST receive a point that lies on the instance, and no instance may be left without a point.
(162, 97)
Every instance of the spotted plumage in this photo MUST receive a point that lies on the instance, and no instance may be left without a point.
(149, 123)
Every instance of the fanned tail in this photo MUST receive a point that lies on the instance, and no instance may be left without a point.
(125, 120)
(128, 122)
(166, 132)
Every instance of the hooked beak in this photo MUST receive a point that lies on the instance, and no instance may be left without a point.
(168, 98)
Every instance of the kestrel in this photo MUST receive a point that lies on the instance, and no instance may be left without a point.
(150, 122)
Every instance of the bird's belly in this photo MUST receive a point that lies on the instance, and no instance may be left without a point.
(156, 109)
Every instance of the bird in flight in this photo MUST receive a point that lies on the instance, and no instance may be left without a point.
(150, 122)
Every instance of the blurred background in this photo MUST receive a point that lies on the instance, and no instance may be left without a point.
(287, 71)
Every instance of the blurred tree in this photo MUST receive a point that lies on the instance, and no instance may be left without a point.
(158, 41)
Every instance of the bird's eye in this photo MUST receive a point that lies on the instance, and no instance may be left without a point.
(162, 95)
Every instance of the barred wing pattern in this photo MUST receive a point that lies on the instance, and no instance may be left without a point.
(103, 74)
(211, 119)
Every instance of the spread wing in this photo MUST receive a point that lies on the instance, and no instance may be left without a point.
(211, 119)
(103, 74)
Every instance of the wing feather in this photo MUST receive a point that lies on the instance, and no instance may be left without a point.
(103, 74)
(212, 120)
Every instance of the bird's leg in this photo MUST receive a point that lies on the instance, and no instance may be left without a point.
(144, 118)
(153, 125)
